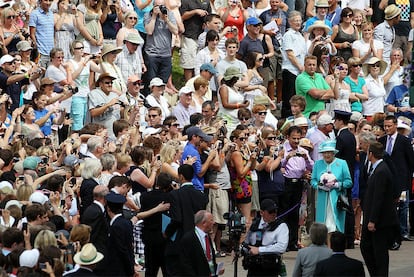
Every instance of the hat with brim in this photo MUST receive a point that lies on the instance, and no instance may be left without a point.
(401, 124)
(391, 11)
(261, 100)
(156, 82)
(23, 45)
(371, 61)
(151, 131)
(88, 255)
(328, 146)
(6, 59)
(47, 81)
(319, 24)
(185, 90)
(108, 48)
(300, 121)
(253, 21)
(232, 72)
(13, 203)
(196, 131)
(134, 38)
(208, 67)
(324, 119)
(305, 142)
(103, 76)
(268, 205)
(342, 115)
(322, 4)
(29, 258)
(209, 130)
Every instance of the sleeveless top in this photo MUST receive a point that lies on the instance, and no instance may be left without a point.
(346, 53)
(237, 21)
(136, 187)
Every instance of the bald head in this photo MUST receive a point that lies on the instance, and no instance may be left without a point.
(99, 192)
(204, 220)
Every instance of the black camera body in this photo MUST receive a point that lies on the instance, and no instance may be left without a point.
(163, 9)
(73, 90)
(236, 223)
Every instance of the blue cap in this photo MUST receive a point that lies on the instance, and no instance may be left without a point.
(208, 67)
(115, 198)
(31, 162)
(342, 115)
(253, 21)
(195, 131)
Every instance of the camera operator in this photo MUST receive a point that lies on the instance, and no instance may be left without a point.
(160, 25)
(266, 240)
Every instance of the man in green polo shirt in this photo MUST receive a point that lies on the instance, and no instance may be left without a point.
(313, 87)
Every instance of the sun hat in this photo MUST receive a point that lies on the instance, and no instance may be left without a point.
(102, 76)
(232, 72)
(300, 121)
(38, 197)
(371, 61)
(209, 130)
(156, 82)
(391, 11)
(47, 81)
(23, 45)
(319, 24)
(13, 202)
(322, 4)
(108, 48)
(328, 146)
(29, 258)
(6, 59)
(261, 100)
(134, 38)
(305, 142)
(88, 255)
(324, 119)
(185, 90)
(404, 123)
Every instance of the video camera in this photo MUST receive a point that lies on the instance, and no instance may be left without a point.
(236, 223)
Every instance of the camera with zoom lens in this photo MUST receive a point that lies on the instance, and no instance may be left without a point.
(73, 90)
(244, 249)
(236, 223)
(163, 9)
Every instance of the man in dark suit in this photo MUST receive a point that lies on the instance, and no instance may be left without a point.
(339, 264)
(94, 216)
(346, 146)
(185, 202)
(400, 150)
(379, 214)
(120, 261)
(197, 255)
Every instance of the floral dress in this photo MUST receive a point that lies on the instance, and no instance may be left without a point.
(241, 187)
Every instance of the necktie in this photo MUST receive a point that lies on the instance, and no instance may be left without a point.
(208, 248)
(389, 145)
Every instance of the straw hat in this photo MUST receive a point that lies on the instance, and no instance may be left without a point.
(391, 11)
(371, 61)
(319, 24)
(88, 255)
(321, 4)
(107, 48)
(104, 75)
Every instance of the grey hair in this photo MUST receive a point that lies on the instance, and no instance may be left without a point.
(293, 14)
(108, 161)
(200, 216)
(318, 233)
(91, 168)
(94, 142)
(367, 137)
(397, 49)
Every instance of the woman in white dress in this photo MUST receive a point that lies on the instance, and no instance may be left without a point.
(340, 88)
(367, 46)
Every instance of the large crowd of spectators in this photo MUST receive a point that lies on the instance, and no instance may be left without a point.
(281, 101)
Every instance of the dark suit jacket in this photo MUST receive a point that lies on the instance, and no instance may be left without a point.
(402, 156)
(186, 201)
(192, 257)
(82, 272)
(346, 146)
(339, 265)
(363, 176)
(86, 194)
(379, 206)
(94, 217)
(120, 261)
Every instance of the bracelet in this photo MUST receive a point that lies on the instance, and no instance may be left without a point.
(237, 105)
(26, 75)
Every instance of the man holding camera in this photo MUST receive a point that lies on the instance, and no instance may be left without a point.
(266, 240)
(160, 25)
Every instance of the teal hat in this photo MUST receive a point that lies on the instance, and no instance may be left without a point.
(328, 146)
(31, 162)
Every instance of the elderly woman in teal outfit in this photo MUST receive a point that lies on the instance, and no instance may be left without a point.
(330, 177)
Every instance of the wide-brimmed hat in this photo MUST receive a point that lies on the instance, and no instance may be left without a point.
(305, 142)
(404, 123)
(232, 72)
(391, 11)
(371, 61)
(88, 255)
(328, 146)
(108, 48)
(321, 4)
(300, 121)
(47, 81)
(134, 38)
(319, 24)
(104, 75)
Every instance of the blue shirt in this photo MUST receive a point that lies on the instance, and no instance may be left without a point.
(47, 127)
(45, 30)
(191, 150)
(400, 97)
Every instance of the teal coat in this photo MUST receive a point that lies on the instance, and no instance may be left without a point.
(340, 169)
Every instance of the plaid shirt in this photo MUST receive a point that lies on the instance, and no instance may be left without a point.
(130, 64)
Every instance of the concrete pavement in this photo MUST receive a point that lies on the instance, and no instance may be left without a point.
(401, 261)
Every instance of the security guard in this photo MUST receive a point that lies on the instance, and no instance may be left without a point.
(267, 239)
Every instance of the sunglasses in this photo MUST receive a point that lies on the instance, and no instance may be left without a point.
(78, 48)
(175, 124)
(262, 113)
(376, 65)
(137, 83)
(244, 118)
(152, 115)
(131, 17)
(242, 138)
(108, 83)
(260, 59)
(356, 65)
(271, 138)
(11, 17)
(349, 15)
